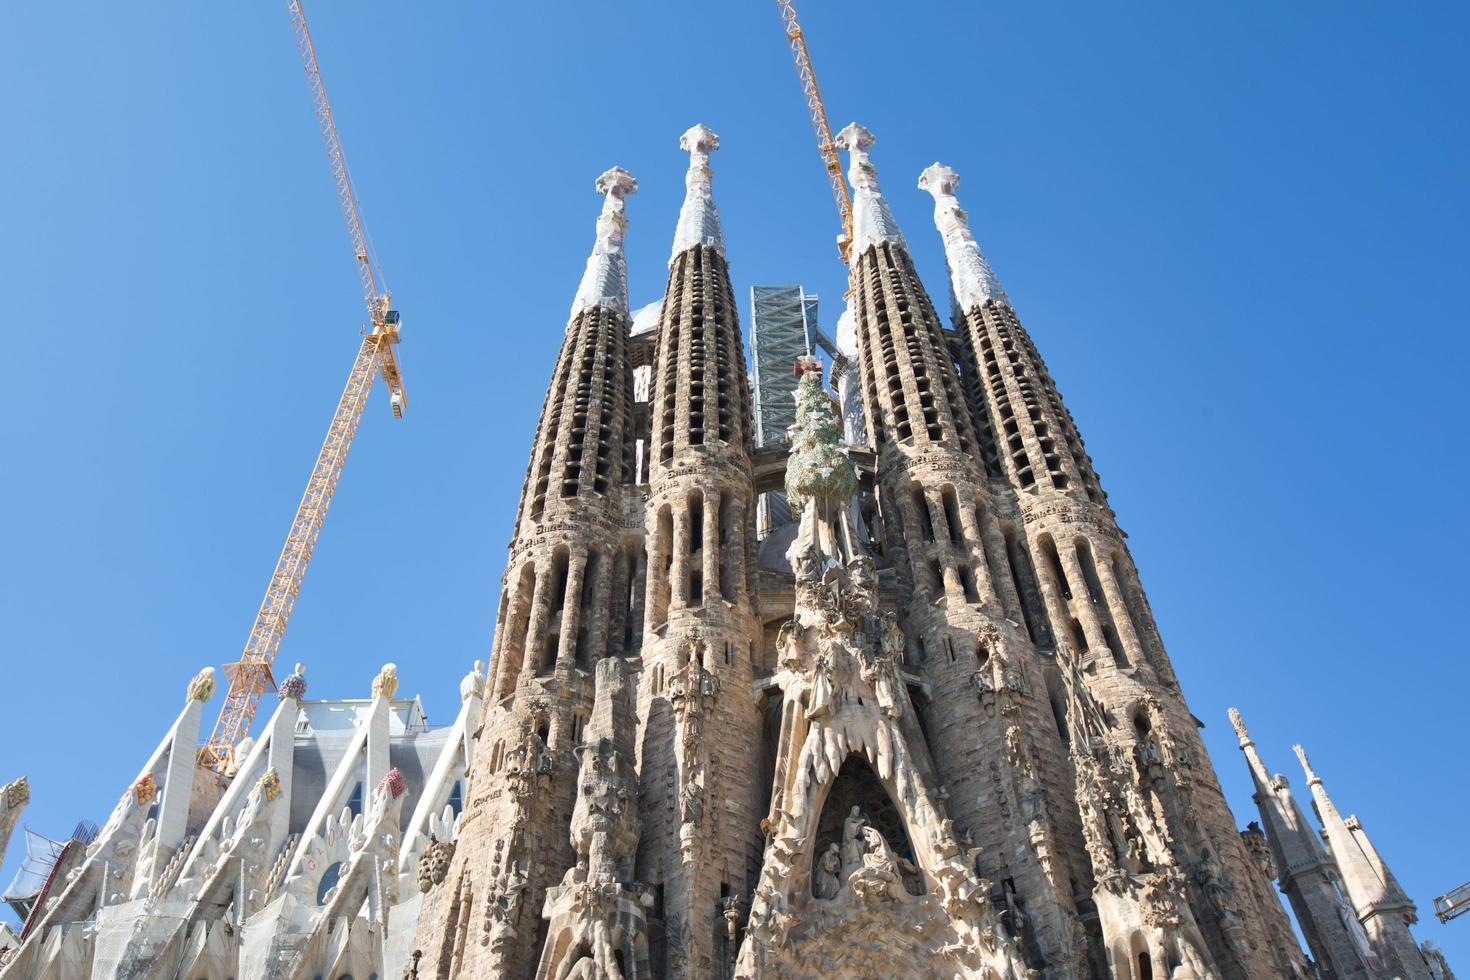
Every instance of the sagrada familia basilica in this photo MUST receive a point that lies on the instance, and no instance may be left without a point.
(922, 726)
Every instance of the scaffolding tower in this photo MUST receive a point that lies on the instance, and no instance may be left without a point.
(783, 327)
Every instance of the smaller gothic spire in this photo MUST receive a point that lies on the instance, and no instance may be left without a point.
(699, 219)
(1252, 757)
(1312, 778)
(872, 219)
(605, 282)
(972, 282)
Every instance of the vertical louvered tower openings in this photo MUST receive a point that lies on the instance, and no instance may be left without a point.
(696, 708)
(1080, 597)
(564, 596)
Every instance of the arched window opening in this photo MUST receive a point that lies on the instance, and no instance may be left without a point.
(518, 629)
(952, 516)
(696, 549)
(1145, 966)
(328, 884)
(1089, 570)
(1131, 605)
(354, 800)
(921, 508)
(1054, 565)
(856, 803)
(732, 526)
(967, 579)
(1115, 645)
(1058, 701)
(456, 797)
(556, 585)
(1032, 612)
(663, 558)
(592, 572)
(1079, 637)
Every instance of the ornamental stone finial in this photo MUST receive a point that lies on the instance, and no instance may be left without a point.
(699, 219)
(385, 684)
(699, 138)
(856, 138)
(605, 280)
(201, 688)
(294, 684)
(473, 684)
(616, 183)
(1239, 725)
(16, 794)
(939, 179)
(972, 281)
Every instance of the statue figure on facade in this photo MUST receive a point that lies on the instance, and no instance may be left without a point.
(828, 878)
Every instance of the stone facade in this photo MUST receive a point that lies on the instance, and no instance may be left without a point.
(927, 729)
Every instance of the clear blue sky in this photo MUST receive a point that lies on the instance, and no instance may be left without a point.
(1238, 233)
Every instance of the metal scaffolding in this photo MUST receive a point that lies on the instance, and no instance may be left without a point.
(783, 327)
(1453, 903)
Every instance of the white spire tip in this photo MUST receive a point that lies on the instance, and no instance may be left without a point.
(616, 182)
(855, 137)
(938, 179)
(699, 138)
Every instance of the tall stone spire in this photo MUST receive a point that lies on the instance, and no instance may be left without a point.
(1306, 873)
(696, 700)
(972, 281)
(699, 219)
(1378, 900)
(605, 282)
(872, 219)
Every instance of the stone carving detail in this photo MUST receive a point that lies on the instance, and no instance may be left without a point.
(814, 914)
(597, 912)
(692, 692)
(1254, 839)
(293, 687)
(434, 864)
(201, 688)
(385, 684)
(1141, 892)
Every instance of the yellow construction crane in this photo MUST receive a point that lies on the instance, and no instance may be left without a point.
(251, 675)
(818, 110)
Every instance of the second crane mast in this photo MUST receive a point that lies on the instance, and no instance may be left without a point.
(251, 675)
(826, 145)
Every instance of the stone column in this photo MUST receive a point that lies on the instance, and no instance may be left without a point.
(616, 605)
(711, 546)
(540, 619)
(1122, 619)
(657, 587)
(975, 541)
(571, 609)
(995, 544)
(1082, 599)
(600, 618)
(679, 574)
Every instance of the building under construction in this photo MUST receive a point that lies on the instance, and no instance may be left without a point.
(828, 661)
